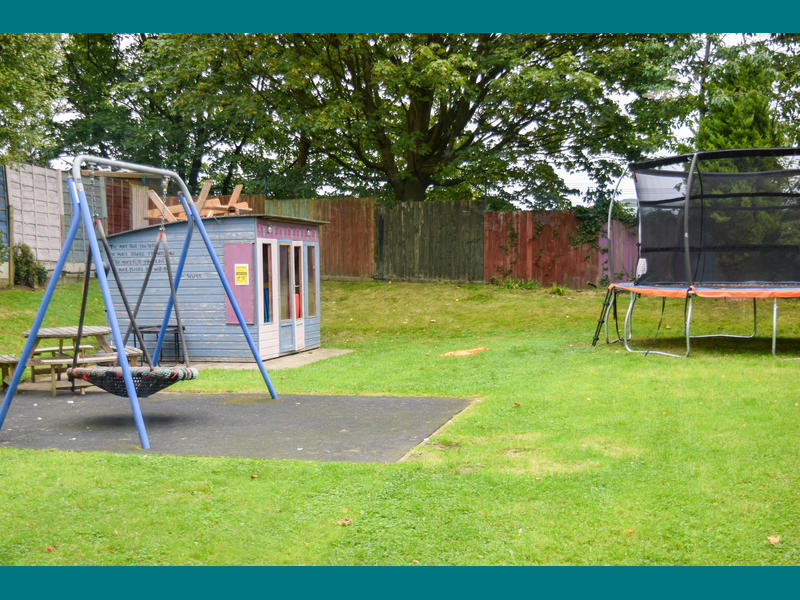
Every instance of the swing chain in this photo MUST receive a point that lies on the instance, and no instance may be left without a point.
(92, 192)
(164, 186)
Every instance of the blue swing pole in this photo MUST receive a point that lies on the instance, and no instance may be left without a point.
(201, 228)
(48, 294)
(111, 313)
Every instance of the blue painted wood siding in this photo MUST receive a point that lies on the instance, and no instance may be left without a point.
(201, 297)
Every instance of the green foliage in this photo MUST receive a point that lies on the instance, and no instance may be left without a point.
(28, 92)
(739, 110)
(510, 283)
(27, 270)
(99, 119)
(398, 116)
(591, 219)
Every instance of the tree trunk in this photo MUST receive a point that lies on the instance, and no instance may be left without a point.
(226, 183)
(194, 174)
(409, 190)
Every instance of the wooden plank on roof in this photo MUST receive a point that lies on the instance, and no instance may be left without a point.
(235, 196)
(163, 209)
(201, 199)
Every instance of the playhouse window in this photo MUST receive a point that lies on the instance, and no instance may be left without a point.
(266, 261)
(312, 281)
(286, 288)
(298, 282)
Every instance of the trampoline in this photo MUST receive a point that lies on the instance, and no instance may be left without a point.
(717, 224)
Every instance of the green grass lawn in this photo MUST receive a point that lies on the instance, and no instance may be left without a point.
(569, 454)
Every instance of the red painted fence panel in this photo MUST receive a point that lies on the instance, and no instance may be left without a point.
(623, 250)
(118, 203)
(537, 246)
(347, 242)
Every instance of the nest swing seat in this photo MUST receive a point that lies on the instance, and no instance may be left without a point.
(146, 380)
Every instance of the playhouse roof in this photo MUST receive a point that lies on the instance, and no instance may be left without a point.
(285, 219)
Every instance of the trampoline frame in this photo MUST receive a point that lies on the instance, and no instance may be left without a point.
(688, 290)
(688, 296)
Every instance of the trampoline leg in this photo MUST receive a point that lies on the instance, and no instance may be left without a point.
(627, 331)
(687, 323)
(626, 327)
(735, 335)
(774, 326)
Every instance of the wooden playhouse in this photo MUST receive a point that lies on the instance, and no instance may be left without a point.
(271, 263)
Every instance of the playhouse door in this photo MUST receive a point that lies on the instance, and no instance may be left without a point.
(299, 283)
(267, 299)
(286, 306)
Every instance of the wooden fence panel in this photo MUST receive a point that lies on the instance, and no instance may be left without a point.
(95, 190)
(624, 249)
(5, 232)
(347, 239)
(36, 196)
(3, 209)
(118, 203)
(429, 240)
(537, 246)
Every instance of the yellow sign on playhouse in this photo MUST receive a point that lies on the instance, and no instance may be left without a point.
(242, 274)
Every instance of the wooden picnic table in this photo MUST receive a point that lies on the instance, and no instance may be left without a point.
(63, 345)
(62, 355)
(70, 334)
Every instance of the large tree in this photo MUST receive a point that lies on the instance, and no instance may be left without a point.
(28, 91)
(406, 116)
(495, 113)
(93, 120)
(164, 99)
(738, 106)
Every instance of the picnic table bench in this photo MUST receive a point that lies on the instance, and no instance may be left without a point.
(58, 363)
(8, 362)
(65, 340)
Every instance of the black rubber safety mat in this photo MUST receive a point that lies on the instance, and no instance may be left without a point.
(332, 428)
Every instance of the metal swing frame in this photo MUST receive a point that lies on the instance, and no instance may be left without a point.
(80, 212)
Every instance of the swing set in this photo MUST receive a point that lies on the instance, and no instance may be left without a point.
(124, 380)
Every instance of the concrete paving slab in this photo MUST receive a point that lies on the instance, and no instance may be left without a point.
(329, 428)
(289, 361)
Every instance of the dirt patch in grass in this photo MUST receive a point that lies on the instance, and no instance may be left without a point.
(609, 447)
(536, 464)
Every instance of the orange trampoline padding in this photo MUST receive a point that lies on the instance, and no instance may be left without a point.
(709, 292)
(650, 290)
(737, 292)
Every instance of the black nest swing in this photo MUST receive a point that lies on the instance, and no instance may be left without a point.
(148, 379)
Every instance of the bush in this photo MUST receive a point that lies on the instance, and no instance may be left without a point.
(27, 270)
(516, 284)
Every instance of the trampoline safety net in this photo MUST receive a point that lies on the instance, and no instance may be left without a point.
(743, 221)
